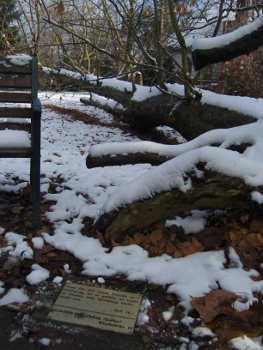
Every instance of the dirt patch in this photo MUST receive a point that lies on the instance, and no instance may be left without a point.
(145, 134)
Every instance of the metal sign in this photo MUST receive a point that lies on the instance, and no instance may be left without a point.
(97, 307)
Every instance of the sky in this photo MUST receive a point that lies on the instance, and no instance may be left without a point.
(90, 192)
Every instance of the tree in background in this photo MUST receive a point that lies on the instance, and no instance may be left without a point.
(129, 47)
(119, 38)
(9, 33)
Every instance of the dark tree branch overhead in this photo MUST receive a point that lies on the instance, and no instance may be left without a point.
(242, 46)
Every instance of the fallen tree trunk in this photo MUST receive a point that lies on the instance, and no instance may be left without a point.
(138, 157)
(190, 119)
(117, 153)
(124, 159)
(214, 191)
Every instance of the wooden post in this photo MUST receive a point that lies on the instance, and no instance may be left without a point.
(35, 139)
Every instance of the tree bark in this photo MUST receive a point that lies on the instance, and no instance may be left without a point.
(124, 159)
(191, 118)
(213, 191)
(242, 46)
(139, 157)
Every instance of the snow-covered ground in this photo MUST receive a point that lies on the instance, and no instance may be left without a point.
(83, 192)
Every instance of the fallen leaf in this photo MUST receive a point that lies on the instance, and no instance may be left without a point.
(59, 272)
(146, 243)
(17, 210)
(27, 191)
(256, 225)
(101, 238)
(170, 248)
(52, 255)
(146, 339)
(162, 243)
(224, 335)
(214, 303)
(139, 238)
(255, 240)
(114, 244)
(244, 218)
(131, 240)
(188, 248)
(156, 235)
(177, 254)
(172, 237)
(255, 313)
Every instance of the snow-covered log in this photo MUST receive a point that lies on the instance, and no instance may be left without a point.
(106, 104)
(200, 179)
(148, 107)
(124, 159)
(228, 46)
(117, 153)
(214, 192)
(190, 120)
(200, 176)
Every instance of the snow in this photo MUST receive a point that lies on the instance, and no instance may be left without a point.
(83, 192)
(57, 280)
(14, 295)
(45, 341)
(257, 197)
(66, 268)
(15, 335)
(143, 317)
(19, 60)
(167, 315)
(191, 224)
(14, 138)
(246, 343)
(226, 39)
(18, 247)
(38, 275)
(101, 280)
(106, 102)
(245, 105)
(38, 242)
(197, 331)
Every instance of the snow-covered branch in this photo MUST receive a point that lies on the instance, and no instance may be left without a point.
(228, 46)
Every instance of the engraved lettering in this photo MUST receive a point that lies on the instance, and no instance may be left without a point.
(97, 307)
(118, 310)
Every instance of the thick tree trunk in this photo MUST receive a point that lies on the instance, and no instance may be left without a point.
(213, 191)
(241, 46)
(190, 119)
